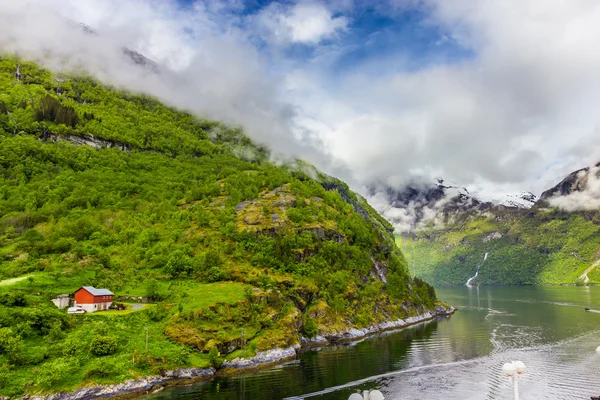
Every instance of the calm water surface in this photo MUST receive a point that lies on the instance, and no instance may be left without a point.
(454, 358)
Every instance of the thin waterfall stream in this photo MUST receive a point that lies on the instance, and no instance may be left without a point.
(471, 279)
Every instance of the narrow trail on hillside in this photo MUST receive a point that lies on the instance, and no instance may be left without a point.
(12, 281)
(584, 276)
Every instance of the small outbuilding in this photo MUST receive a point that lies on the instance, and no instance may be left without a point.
(92, 299)
(62, 301)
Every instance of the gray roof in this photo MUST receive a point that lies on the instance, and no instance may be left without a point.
(98, 292)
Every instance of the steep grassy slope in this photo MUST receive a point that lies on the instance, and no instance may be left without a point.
(106, 188)
(538, 246)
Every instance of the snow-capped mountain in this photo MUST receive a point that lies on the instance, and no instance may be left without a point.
(519, 200)
(417, 206)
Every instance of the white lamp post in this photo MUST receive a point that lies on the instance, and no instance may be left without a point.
(372, 395)
(514, 370)
(376, 395)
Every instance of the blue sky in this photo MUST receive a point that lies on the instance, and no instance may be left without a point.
(372, 34)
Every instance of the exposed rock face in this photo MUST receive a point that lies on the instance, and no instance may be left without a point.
(353, 334)
(573, 182)
(141, 60)
(90, 140)
(138, 385)
(263, 357)
(492, 236)
(380, 270)
(134, 56)
(316, 341)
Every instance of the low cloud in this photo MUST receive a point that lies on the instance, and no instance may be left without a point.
(587, 198)
(419, 206)
(207, 66)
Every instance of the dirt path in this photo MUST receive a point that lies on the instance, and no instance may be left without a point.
(584, 276)
(12, 281)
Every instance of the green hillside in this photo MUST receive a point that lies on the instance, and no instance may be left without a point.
(525, 247)
(235, 254)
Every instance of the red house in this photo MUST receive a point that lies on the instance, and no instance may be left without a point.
(92, 299)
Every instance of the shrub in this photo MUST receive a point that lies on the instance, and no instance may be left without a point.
(12, 299)
(103, 345)
(396, 286)
(56, 371)
(70, 347)
(215, 274)
(158, 313)
(11, 345)
(310, 328)
(215, 357)
(179, 356)
(153, 291)
(102, 369)
(178, 264)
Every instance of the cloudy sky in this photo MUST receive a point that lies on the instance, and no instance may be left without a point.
(495, 95)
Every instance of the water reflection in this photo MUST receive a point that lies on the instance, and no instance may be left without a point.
(459, 357)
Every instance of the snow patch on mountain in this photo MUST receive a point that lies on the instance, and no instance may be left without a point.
(524, 200)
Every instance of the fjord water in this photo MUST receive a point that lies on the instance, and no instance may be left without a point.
(451, 358)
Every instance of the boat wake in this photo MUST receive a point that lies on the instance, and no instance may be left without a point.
(546, 377)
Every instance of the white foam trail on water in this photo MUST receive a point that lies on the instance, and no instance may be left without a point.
(377, 377)
(538, 369)
(476, 272)
(556, 303)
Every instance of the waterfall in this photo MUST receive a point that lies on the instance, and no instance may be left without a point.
(471, 279)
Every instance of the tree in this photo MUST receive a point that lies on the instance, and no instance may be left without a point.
(153, 291)
(102, 345)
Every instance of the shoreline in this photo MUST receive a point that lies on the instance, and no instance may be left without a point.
(264, 359)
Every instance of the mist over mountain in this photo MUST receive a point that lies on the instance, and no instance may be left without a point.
(420, 206)
(555, 240)
(210, 83)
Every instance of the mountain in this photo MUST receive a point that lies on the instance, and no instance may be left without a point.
(426, 206)
(555, 241)
(131, 55)
(234, 254)
(574, 182)
(523, 200)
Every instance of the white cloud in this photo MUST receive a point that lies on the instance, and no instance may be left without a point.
(516, 114)
(213, 71)
(304, 22)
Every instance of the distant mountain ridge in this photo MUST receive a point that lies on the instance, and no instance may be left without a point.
(134, 56)
(555, 240)
(574, 182)
(416, 205)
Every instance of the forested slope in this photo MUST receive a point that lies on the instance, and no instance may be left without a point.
(542, 245)
(112, 189)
